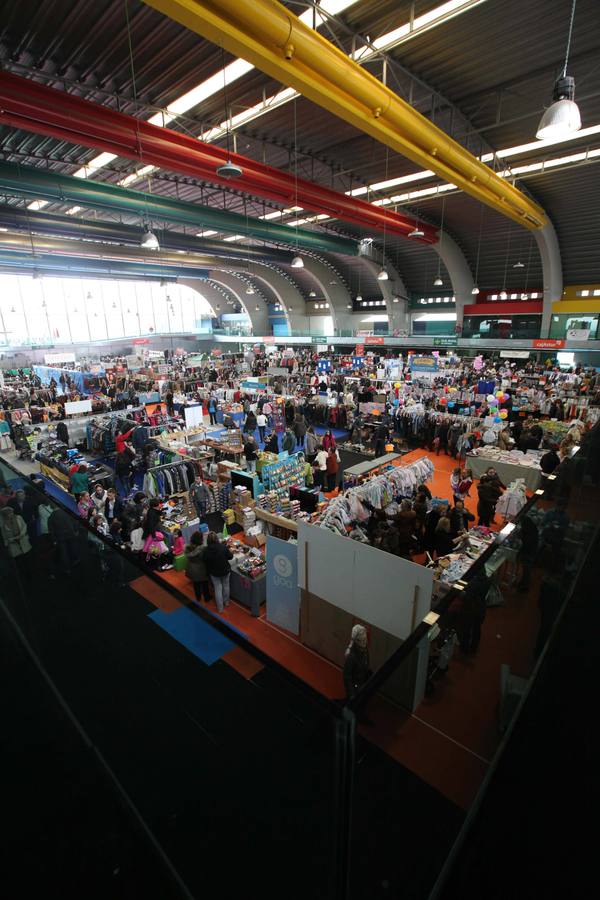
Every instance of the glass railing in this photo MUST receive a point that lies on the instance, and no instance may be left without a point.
(483, 646)
(216, 745)
(223, 755)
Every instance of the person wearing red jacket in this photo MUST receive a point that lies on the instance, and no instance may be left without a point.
(333, 467)
(121, 439)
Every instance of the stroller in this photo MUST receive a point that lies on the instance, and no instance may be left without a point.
(22, 445)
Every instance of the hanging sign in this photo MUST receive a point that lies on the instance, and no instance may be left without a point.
(360, 350)
(548, 344)
(283, 594)
(445, 342)
(578, 334)
(424, 363)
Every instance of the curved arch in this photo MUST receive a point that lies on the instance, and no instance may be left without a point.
(205, 289)
(259, 318)
(459, 273)
(287, 293)
(335, 294)
(398, 313)
(548, 246)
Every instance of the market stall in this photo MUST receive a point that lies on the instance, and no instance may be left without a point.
(509, 464)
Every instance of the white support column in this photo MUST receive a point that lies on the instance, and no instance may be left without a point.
(551, 271)
(459, 273)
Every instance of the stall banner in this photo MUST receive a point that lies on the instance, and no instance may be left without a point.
(514, 354)
(548, 344)
(324, 365)
(252, 385)
(155, 354)
(194, 416)
(78, 406)
(322, 348)
(151, 397)
(423, 364)
(283, 595)
(375, 340)
(358, 362)
(360, 350)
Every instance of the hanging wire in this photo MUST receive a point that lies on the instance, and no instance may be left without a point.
(528, 261)
(507, 256)
(441, 235)
(564, 71)
(228, 135)
(296, 166)
(479, 246)
(134, 92)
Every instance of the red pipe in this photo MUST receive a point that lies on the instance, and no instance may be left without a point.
(33, 107)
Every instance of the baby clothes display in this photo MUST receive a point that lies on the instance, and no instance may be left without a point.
(512, 500)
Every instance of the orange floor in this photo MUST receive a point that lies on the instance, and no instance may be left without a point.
(451, 738)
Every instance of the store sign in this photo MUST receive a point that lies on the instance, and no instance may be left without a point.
(514, 354)
(283, 595)
(548, 344)
(375, 340)
(360, 350)
(424, 363)
(139, 341)
(445, 342)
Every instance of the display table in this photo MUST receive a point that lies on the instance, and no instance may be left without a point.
(250, 592)
(364, 467)
(507, 472)
(277, 521)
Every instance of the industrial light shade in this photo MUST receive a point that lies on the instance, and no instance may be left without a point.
(249, 289)
(312, 293)
(416, 232)
(503, 295)
(382, 275)
(396, 300)
(519, 265)
(562, 117)
(438, 282)
(474, 290)
(230, 170)
(297, 262)
(149, 241)
(359, 298)
(349, 305)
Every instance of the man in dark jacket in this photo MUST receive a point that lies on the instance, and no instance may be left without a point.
(356, 661)
(216, 559)
(488, 497)
(289, 441)
(460, 518)
(472, 613)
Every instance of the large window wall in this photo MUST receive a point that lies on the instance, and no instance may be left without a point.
(49, 310)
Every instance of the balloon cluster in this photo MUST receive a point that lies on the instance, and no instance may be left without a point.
(493, 403)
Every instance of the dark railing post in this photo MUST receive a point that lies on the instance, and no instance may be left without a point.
(345, 756)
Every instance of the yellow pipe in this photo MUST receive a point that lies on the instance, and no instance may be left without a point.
(274, 40)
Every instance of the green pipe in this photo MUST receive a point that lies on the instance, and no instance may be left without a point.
(40, 184)
(53, 261)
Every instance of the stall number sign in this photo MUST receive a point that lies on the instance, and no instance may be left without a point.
(360, 350)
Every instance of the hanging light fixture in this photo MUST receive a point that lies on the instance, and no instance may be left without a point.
(417, 232)
(438, 281)
(348, 306)
(503, 295)
(382, 275)
(519, 265)
(228, 169)
(257, 308)
(297, 262)
(249, 289)
(359, 298)
(312, 294)
(562, 117)
(149, 240)
(396, 300)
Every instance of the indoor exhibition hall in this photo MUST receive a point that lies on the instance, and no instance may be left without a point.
(299, 448)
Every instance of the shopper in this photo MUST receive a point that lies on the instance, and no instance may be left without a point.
(472, 614)
(455, 480)
(356, 662)
(261, 422)
(212, 410)
(272, 445)
(550, 460)
(466, 483)
(13, 532)
(311, 443)
(328, 440)
(85, 507)
(321, 467)
(488, 496)
(153, 517)
(216, 558)
(200, 496)
(113, 506)
(80, 481)
(124, 468)
(332, 466)
(98, 497)
(299, 428)
(443, 542)
(381, 438)
(195, 567)
(250, 453)
(251, 424)
(289, 441)
(178, 547)
(494, 478)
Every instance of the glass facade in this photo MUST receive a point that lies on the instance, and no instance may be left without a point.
(562, 324)
(56, 311)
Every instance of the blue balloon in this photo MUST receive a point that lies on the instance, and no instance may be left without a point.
(451, 403)
(497, 419)
(396, 402)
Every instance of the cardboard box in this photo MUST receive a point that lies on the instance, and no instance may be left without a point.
(256, 540)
